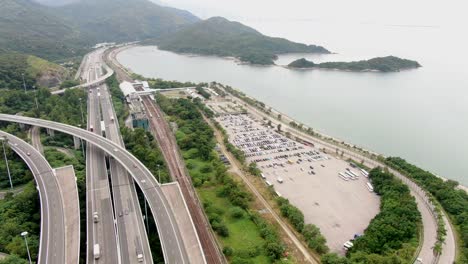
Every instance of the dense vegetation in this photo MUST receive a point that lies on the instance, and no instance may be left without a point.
(143, 145)
(70, 30)
(17, 214)
(392, 236)
(49, 107)
(20, 173)
(36, 71)
(245, 236)
(162, 84)
(301, 63)
(454, 201)
(28, 27)
(124, 20)
(382, 64)
(219, 36)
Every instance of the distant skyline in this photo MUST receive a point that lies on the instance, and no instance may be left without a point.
(397, 12)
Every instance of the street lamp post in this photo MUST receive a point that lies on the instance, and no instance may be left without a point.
(5, 139)
(35, 97)
(81, 108)
(24, 83)
(146, 216)
(159, 175)
(24, 234)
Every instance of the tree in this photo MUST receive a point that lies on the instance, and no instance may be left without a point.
(279, 127)
(13, 259)
(279, 116)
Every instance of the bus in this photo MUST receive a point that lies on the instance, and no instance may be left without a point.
(351, 176)
(370, 187)
(97, 251)
(365, 173)
(343, 176)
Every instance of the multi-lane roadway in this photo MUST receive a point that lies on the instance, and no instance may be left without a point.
(132, 235)
(173, 248)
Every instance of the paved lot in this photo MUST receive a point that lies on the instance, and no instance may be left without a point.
(341, 208)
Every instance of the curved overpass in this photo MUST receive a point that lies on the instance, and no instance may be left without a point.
(52, 235)
(169, 233)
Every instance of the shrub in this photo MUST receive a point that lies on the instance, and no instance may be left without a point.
(236, 212)
(228, 251)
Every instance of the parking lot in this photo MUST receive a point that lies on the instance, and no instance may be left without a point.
(341, 205)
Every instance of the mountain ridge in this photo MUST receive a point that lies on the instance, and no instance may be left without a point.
(221, 37)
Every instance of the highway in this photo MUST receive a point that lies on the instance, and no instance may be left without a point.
(52, 235)
(131, 230)
(98, 197)
(100, 231)
(166, 140)
(84, 70)
(35, 134)
(169, 233)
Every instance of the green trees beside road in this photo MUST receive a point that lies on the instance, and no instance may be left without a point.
(454, 201)
(392, 236)
(17, 214)
(245, 236)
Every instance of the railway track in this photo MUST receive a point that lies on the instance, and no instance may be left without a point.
(169, 148)
(170, 151)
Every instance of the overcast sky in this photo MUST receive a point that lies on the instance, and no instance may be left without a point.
(398, 12)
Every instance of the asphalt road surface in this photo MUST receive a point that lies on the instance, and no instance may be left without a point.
(100, 231)
(131, 230)
(169, 233)
(52, 237)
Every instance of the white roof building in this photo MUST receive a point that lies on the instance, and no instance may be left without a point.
(127, 88)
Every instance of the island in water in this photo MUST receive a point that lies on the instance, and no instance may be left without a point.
(221, 37)
(381, 64)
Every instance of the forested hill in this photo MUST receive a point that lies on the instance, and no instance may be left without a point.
(219, 36)
(71, 29)
(382, 64)
(30, 28)
(37, 72)
(124, 20)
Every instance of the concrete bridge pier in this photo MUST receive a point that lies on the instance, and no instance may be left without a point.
(50, 132)
(76, 142)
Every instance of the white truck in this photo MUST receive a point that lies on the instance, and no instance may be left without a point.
(97, 251)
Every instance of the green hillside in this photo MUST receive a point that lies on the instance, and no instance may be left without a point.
(124, 20)
(382, 64)
(66, 31)
(36, 71)
(30, 28)
(219, 36)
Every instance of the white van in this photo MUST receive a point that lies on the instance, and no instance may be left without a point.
(348, 244)
(279, 179)
(97, 251)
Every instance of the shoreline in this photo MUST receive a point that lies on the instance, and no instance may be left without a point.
(334, 140)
